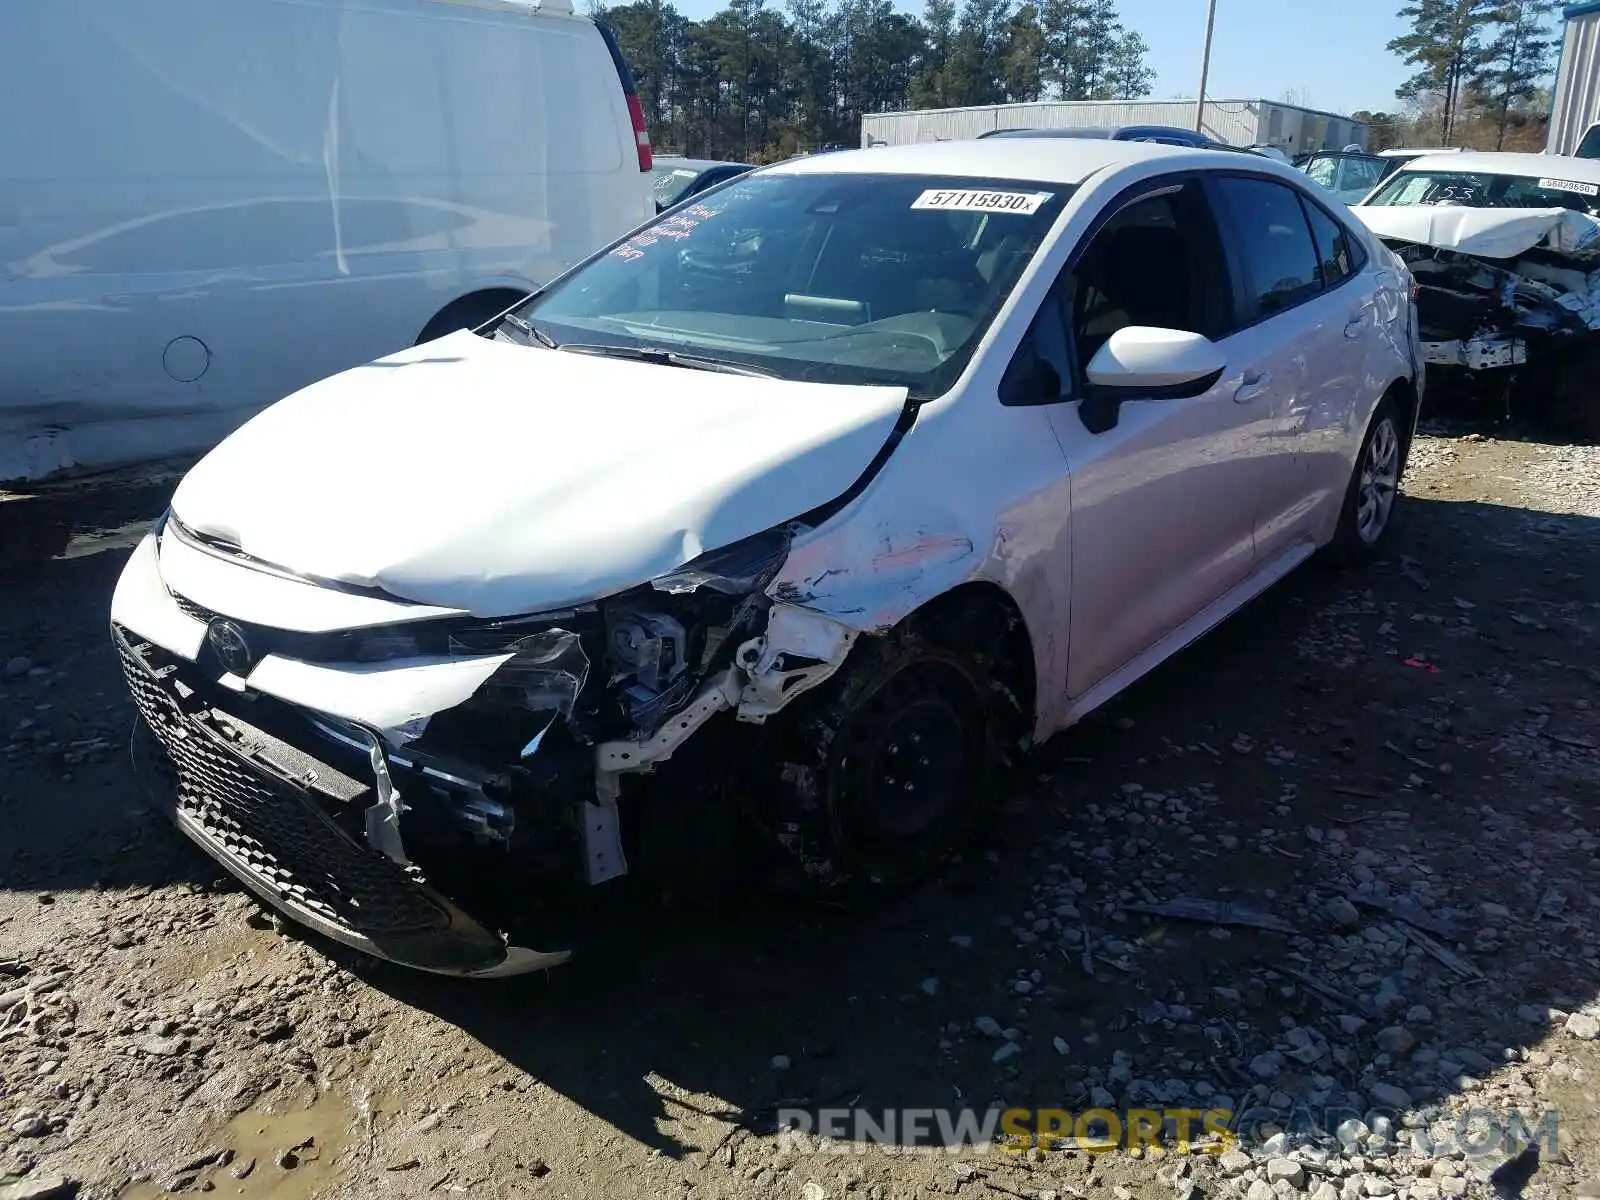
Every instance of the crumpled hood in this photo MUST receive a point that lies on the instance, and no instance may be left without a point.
(502, 479)
(1485, 232)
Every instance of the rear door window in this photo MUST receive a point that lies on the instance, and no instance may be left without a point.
(1338, 257)
(1274, 243)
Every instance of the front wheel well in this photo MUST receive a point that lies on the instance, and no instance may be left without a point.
(469, 311)
(884, 772)
(982, 619)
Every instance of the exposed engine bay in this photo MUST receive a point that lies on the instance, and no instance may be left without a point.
(1508, 301)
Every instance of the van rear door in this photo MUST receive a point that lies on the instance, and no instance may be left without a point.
(641, 131)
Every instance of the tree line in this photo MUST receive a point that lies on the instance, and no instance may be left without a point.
(758, 83)
(1481, 69)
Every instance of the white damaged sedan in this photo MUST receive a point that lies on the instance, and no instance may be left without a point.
(834, 488)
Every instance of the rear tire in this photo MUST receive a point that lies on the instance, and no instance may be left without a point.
(1574, 403)
(1373, 494)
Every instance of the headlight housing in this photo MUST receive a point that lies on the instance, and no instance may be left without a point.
(735, 570)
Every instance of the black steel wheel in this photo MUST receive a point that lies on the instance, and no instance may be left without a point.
(881, 776)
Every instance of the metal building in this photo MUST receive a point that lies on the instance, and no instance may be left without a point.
(1290, 128)
(1576, 102)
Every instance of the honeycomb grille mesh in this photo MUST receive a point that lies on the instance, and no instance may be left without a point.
(190, 609)
(269, 829)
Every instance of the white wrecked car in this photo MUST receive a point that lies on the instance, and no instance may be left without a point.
(1505, 249)
(833, 488)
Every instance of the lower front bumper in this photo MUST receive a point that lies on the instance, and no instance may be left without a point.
(261, 807)
(1484, 353)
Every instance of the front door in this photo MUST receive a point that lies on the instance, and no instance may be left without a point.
(1164, 501)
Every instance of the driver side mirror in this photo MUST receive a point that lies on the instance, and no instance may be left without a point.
(1143, 363)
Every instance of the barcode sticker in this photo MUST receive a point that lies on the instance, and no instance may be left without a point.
(1022, 204)
(1568, 185)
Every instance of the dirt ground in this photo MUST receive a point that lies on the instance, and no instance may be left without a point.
(1401, 765)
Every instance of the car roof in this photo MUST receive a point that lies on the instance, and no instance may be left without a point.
(1161, 129)
(1118, 132)
(1411, 152)
(1046, 160)
(1528, 166)
(693, 164)
(1054, 131)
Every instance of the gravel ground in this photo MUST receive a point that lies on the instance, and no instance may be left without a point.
(1396, 772)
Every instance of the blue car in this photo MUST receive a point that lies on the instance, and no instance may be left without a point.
(678, 179)
(1168, 135)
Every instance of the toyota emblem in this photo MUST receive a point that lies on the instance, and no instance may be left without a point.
(228, 643)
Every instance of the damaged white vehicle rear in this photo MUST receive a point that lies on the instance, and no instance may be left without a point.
(1505, 249)
(778, 516)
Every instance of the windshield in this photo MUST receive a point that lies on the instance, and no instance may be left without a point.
(1345, 174)
(1590, 146)
(1475, 189)
(671, 182)
(875, 279)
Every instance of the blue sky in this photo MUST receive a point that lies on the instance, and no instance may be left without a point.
(1332, 50)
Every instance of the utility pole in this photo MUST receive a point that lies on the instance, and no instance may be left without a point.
(1205, 68)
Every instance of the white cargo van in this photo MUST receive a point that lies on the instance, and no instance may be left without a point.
(206, 205)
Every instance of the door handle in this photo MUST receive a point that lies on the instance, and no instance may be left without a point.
(1255, 386)
(1356, 325)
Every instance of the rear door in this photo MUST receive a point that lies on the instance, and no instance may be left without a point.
(1304, 325)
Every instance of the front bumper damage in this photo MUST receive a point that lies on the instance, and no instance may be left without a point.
(1508, 301)
(259, 806)
(349, 795)
(1486, 316)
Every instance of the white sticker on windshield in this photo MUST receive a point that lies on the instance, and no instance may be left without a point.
(1568, 185)
(1022, 204)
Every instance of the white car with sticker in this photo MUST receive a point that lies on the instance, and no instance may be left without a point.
(818, 498)
(1504, 182)
(1022, 203)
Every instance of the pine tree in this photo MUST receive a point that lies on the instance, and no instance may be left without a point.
(1517, 60)
(1446, 46)
(808, 71)
(1023, 57)
(978, 55)
(1128, 76)
(930, 88)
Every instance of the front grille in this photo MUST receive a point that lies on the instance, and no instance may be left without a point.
(190, 609)
(269, 828)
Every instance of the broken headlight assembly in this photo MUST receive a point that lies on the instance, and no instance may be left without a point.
(617, 667)
(613, 670)
(664, 638)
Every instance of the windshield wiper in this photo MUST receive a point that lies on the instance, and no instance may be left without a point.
(671, 358)
(529, 329)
